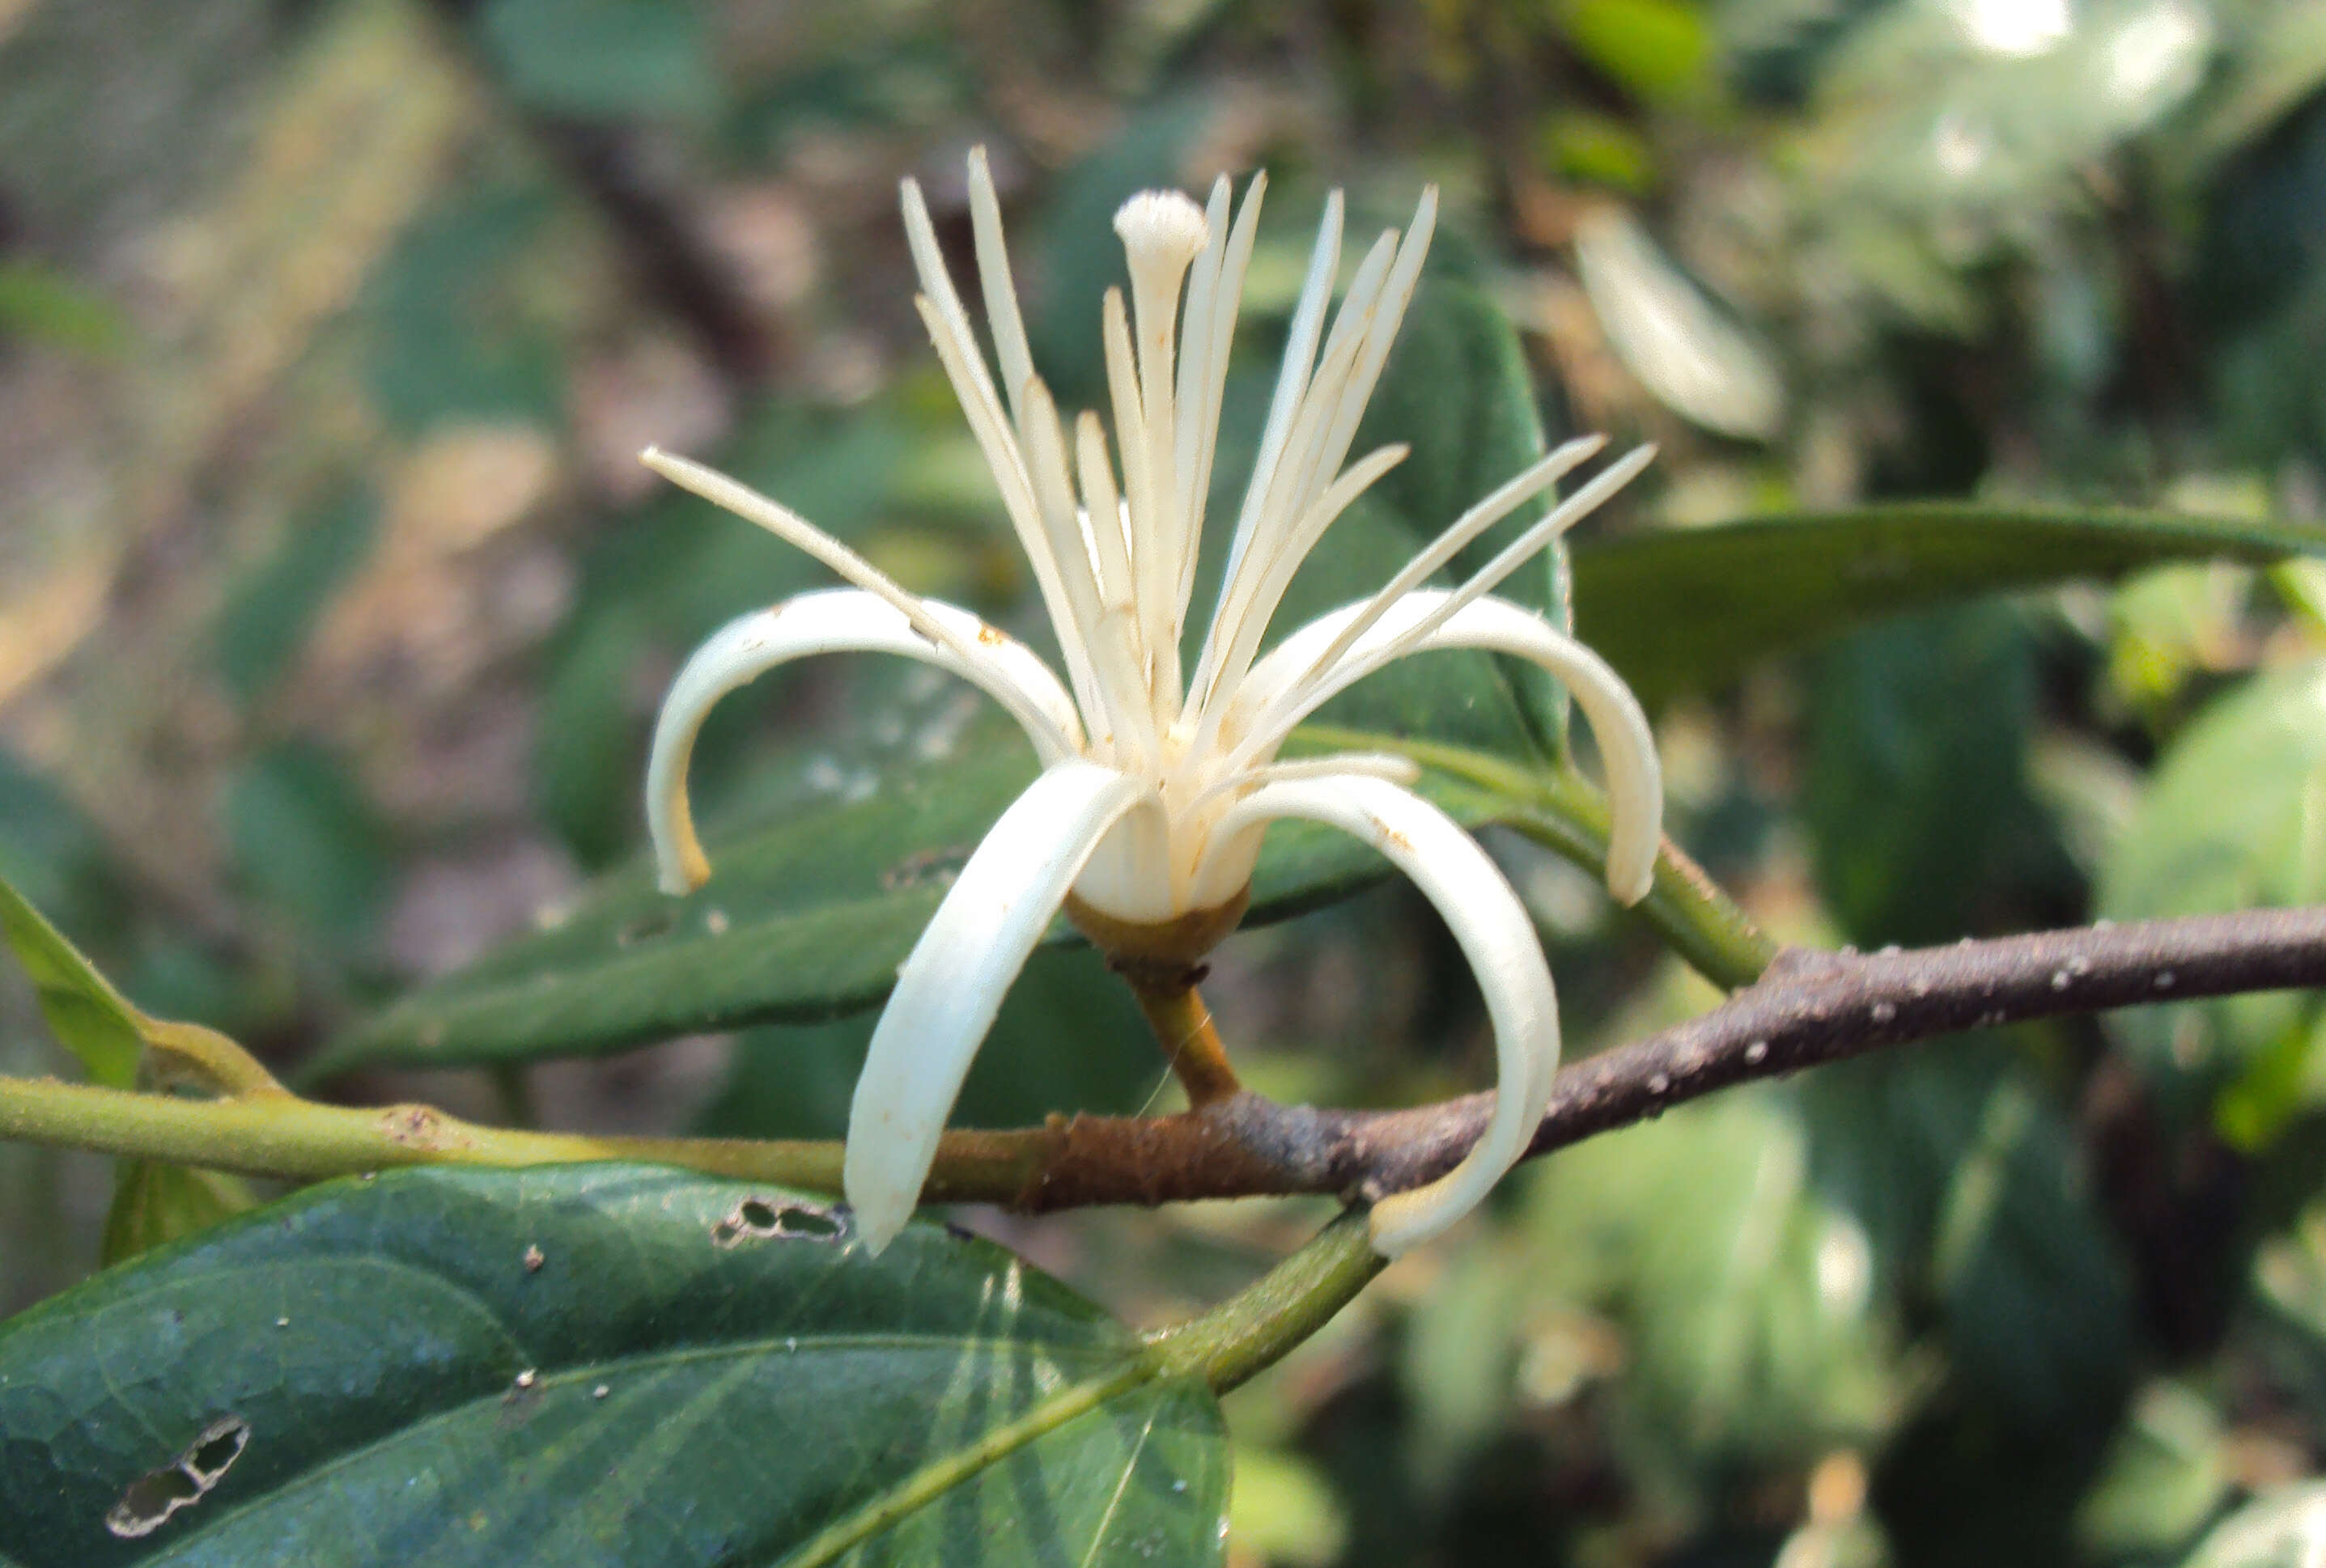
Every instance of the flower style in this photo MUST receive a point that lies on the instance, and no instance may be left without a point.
(1147, 819)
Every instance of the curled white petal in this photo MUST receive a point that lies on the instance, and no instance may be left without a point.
(948, 990)
(833, 621)
(1284, 688)
(1496, 936)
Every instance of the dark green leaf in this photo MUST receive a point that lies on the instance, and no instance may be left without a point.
(306, 840)
(595, 1365)
(1691, 609)
(1458, 392)
(1967, 1181)
(50, 850)
(2289, 1310)
(453, 333)
(1075, 245)
(1744, 1295)
(268, 613)
(2230, 822)
(1069, 1038)
(1917, 795)
(804, 918)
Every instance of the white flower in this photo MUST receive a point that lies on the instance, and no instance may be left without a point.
(1156, 787)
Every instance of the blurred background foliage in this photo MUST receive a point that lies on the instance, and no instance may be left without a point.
(333, 609)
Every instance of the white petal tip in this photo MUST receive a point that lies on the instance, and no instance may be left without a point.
(1166, 225)
(1630, 886)
(876, 1242)
(879, 1209)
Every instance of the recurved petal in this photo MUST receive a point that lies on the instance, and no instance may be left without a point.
(1284, 688)
(949, 989)
(1496, 936)
(833, 621)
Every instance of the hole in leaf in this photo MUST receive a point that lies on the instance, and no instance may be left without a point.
(149, 1500)
(765, 1219)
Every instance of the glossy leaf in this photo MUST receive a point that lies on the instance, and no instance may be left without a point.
(804, 918)
(1691, 609)
(593, 1365)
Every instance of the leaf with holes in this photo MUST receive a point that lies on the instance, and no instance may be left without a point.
(1693, 609)
(599, 1365)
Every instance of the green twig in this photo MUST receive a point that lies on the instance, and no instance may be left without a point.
(274, 1133)
(1253, 1329)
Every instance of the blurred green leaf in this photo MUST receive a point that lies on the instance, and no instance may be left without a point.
(1596, 149)
(2275, 60)
(1660, 50)
(1692, 610)
(2164, 1477)
(91, 1019)
(671, 575)
(269, 612)
(1745, 1297)
(48, 849)
(154, 1203)
(1917, 796)
(1282, 1512)
(1696, 358)
(2284, 1527)
(1069, 1038)
(2231, 821)
(452, 320)
(584, 1372)
(307, 842)
(804, 918)
(1962, 113)
(2173, 622)
(1074, 243)
(589, 758)
(1969, 1184)
(603, 59)
(2289, 1310)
